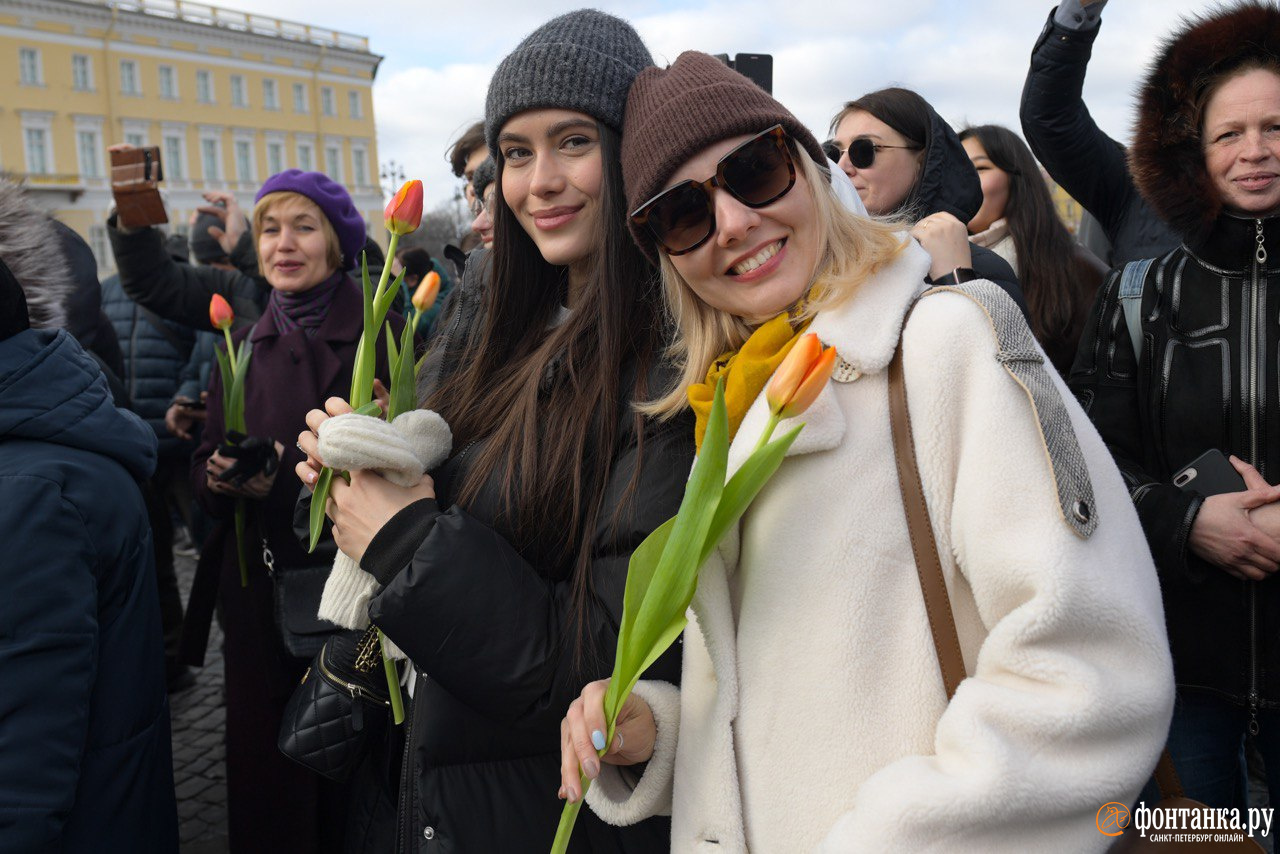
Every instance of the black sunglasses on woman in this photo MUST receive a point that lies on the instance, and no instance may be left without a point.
(757, 173)
(862, 151)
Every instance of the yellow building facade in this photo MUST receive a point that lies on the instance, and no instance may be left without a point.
(229, 98)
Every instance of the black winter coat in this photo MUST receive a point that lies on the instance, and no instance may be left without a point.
(181, 292)
(491, 634)
(1207, 379)
(155, 352)
(1087, 163)
(86, 761)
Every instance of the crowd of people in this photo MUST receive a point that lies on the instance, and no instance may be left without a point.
(1091, 417)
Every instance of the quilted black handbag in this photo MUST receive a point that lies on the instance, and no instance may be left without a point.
(341, 702)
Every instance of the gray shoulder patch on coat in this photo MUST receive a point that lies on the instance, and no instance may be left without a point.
(1026, 364)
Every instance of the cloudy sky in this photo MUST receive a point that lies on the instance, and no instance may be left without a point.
(967, 57)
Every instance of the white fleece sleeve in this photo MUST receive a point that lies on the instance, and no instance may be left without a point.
(616, 796)
(1067, 705)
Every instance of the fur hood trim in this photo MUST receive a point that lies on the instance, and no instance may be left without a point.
(1166, 158)
(31, 249)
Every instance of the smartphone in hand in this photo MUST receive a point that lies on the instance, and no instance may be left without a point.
(1211, 473)
(135, 174)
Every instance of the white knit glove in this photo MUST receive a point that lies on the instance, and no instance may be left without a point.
(401, 451)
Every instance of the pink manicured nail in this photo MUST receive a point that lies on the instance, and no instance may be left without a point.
(311, 477)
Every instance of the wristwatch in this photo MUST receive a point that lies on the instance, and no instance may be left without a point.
(955, 277)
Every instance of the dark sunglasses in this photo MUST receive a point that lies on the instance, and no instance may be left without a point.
(862, 151)
(756, 173)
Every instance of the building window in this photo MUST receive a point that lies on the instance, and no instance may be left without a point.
(38, 159)
(30, 72)
(175, 166)
(90, 159)
(327, 105)
(333, 162)
(204, 87)
(209, 159)
(81, 73)
(244, 161)
(101, 248)
(239, 95)
(275, 158)
(135, 139)
(305, 157)
(269, 99)
(359, 167)
(299, 97)
(168, 82)
(353, 103)
(129, 78)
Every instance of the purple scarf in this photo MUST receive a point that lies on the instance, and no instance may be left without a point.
(305, 310)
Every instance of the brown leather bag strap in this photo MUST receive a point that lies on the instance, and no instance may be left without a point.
(933, 583)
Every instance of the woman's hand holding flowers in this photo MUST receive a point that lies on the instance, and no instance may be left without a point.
(360, 508)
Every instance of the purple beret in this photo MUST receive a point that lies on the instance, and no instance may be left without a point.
(332, 199)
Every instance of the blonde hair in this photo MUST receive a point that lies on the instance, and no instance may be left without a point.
(333, 249)
(851, 249)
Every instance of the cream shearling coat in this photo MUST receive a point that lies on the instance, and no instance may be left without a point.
(812, 715)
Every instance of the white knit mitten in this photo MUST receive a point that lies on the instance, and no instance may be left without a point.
(401, 451)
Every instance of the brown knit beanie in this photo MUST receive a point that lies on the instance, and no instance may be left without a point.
(674, 113)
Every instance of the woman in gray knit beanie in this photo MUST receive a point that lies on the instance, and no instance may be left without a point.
(505, 589)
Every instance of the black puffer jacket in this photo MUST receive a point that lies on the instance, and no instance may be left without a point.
(155, 352)
(1207, 376)
(1076, 153)
(491, 632)
(949, 183)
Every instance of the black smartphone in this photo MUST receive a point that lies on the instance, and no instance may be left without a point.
(1211, 473)
(191, 404)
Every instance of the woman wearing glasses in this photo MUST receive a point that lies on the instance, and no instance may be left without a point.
(812, 715)
(503, 571)
(907, 163)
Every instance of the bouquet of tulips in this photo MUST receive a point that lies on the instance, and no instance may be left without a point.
(402, 216)
(233, 366)
(663, 572)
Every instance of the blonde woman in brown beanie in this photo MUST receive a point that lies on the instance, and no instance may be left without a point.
(812, 713)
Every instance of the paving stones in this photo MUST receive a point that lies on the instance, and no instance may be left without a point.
(199, 754)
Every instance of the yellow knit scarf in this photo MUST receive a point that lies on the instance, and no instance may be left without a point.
(745, 372)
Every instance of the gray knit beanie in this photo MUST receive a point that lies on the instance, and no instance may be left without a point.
(583, 60)
(483, 177)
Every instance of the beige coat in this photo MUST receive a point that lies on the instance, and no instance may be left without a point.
(812, 714)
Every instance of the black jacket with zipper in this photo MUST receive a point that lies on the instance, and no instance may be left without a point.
(490, 629)
(1207, 378)
(1077, 154)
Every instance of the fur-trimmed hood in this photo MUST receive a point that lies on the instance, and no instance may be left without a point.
(32, 251)
(1166, 159)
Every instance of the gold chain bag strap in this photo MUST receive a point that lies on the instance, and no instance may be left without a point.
(942, 624)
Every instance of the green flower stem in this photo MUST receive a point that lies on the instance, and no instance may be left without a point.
(769, 427)
(393, 681)
(231, 351)
(568, 817)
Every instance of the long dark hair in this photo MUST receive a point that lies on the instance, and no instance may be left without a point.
(1045, 249)
(549, 402)
(907, 113)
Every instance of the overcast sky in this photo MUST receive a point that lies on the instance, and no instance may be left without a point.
(967, 57)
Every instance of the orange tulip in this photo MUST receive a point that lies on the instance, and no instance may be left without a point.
(404, 212)
(801, 377)
(425, 296)
(220, 313)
